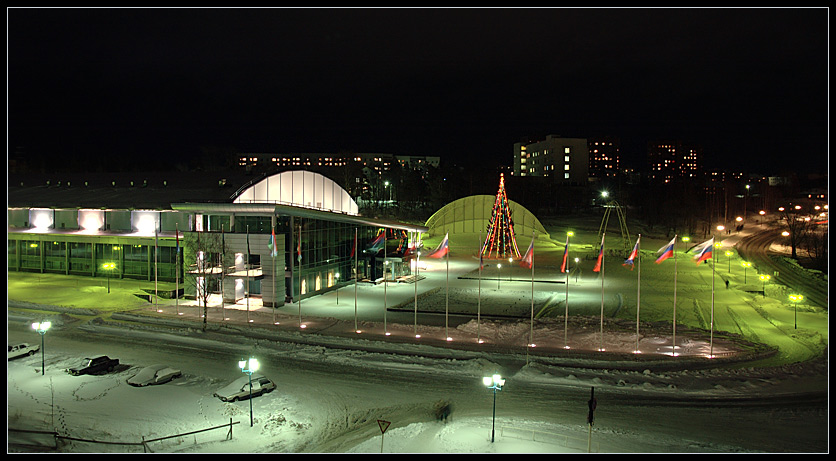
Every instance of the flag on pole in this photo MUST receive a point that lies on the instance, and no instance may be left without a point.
(377, 243)
(704, 250)
(176, 239)
(274, 251)
(667, 251)
(353, 247)
(528, 259)
(565, 255)
(597, 267)
(442, 249)
(633, 254)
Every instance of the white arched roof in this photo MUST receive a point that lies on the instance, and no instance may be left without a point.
(469, 215)
(300, 188)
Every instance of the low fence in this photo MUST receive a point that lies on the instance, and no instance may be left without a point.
(40, 439)
(573, 443)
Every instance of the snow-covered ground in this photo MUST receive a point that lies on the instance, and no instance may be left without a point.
(334, 384)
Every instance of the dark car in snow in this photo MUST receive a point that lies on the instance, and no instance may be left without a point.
(94, 365)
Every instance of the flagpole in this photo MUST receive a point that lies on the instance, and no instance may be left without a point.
(639, 289)
(566, 303)
(356, 278)
(156, 295)
(299, 259)
(673, 248)
(247, 267)
(531, 327)
(601, 347)
(385, 285)
(177, 270)
(447, 288)
(711, 345)
(479, 299)
(223, 273)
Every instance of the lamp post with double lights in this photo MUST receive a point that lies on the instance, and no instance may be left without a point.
(494, 382)
(41, 328)
(764, 278)
(795, 299)
(249, 367)
(745, 265)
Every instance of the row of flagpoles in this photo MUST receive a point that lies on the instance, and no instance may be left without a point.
(703, 252)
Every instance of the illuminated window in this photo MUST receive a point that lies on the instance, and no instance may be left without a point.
(565, 175)
(567, 150)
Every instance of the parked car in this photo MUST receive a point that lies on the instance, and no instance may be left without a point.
(155, 374)
(240, 388)
(19, 350)
(94, 365)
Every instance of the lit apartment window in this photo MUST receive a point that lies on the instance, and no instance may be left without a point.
(565, 158)
(565, 175)
(567, 150)
(566, 167)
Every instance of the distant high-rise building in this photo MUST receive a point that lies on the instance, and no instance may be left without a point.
(673, 160)
(604, 155)
(566, 160)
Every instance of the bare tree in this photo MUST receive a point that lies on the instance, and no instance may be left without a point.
(201, 254)
(798, 226)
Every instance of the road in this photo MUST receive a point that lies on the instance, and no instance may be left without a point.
(755, 248)
(343, 395)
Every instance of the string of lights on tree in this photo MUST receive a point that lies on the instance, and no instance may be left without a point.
(500, 242)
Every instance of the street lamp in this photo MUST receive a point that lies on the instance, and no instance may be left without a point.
(494, 382)
(109, 268)
(337, 278)
(248, 367)
(41, 328)
(729, 255)
(795, 299)
(510, 260)
(745, 264)
(764, 278)
(498, 271)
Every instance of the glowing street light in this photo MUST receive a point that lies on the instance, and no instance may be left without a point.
(248, 367)
(745, 264)
(494, 382)
(729, 255)
(41, 328)
(498, 270)
(109, 268)
(764, 278)
(795, 299)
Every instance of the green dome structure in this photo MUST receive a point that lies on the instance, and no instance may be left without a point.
(471, 215)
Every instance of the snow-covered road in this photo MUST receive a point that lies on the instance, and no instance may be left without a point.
(329, 400)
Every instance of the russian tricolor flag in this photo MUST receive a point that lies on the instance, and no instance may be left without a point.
(667, 251)
(442, 249)
(565, 256)
(597, 267)
(633, 254)
(704, 251)
(527, 260)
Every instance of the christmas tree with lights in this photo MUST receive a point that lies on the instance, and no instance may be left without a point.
(500, 242)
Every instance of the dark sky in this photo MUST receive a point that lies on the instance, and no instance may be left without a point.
(749, 85)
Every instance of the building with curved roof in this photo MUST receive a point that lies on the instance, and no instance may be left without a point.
(470, 215)
(278, 237)
(299, 188)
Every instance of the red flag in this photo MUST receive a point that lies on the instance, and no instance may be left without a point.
(442, 249)
(565, 256)
(600, 257)
(528, 260)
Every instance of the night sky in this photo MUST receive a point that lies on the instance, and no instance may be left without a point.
(749, 85)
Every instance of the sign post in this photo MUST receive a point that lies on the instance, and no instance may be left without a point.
(593, 402)
(383, 426)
